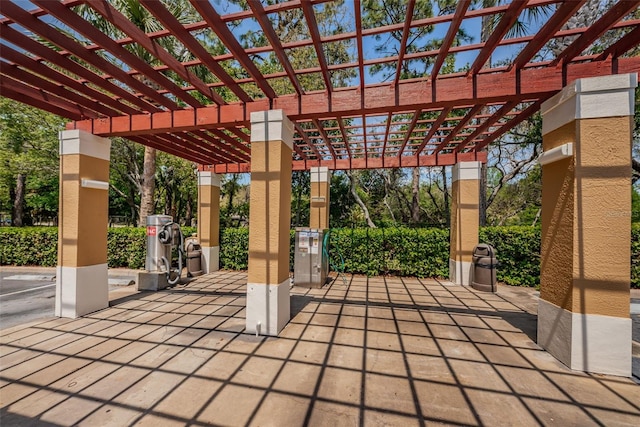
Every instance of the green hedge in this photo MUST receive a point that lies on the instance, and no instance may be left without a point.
(397, 251)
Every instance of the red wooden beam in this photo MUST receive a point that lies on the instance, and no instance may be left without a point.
(36, 67)
(613, 15)
(358, 11)
(405, 36)
(90, 108)
(212, 146)
(345, 136)
(83, 27)
(312, 24)
(505, 24)
(487, 124)
(386, 134)
(39, 27)
(522, 116)
(458, 16)
(206, 10)
(306, 139)
(261, 16)
(178, 30)
(325, 137)
(564, 12)
(114, 16)
(27, 96)
(488, 87)
(412, 126)
(461, 124)
(434, 128)
(626, 43)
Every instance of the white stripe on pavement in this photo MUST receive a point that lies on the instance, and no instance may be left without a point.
(27, 290)
(30, 277)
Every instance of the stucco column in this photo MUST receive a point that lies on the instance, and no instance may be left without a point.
(583, 313)
(82, 284)
(465, 220)
(209, 220)
(319, 200)
(268, 303)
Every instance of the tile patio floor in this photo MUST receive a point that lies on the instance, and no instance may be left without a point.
(376, 351)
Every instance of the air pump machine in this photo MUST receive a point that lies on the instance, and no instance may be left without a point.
(164, 238)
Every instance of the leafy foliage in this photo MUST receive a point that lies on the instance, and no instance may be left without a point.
(421, 252)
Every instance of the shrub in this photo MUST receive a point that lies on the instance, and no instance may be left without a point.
(418, 252)
(518, 251)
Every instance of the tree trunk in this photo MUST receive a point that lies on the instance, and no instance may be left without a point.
(483, 195)
(415, 199)
(17, 214)
(147, 205)
(445, 195)
(354, 193)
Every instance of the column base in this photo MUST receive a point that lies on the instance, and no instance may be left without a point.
(81, 290)
(152, 281)
(460, 272)
(210, 259)
(268, 308)
(586, 342)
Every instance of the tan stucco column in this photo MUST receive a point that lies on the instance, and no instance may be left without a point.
(82, 284)
(209, 220)
(583, 313)
(465, 220)
(319, 200)
(268, 304)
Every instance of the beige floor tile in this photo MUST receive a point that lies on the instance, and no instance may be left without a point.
(349, 336)
(35, 404)
(56, 371)
(384, 392)
(551, 413)
(330, 414)
(341, 385)
(353, 322)
(129, 352)
(112, 415)
(36, 364)
(385, 362)
(310, 352)
(214, 340)
(188, 360)
(430, 368)
(221, 366)
(281, 410)
(115, 383)
(21, 355)
(445, 403)
(531, 383)
(383, 341)
(187, 337)
(460, 350)
(298, 378)
(478, 375)
(276, 347)
(102, 349)
(71, 411)
(13, 392)
(156, 356)
(149, 390)
(420, 345)
(257, 372)
(318, 333)
(84, 377)
(383, 419)
(162, 334)
(224, 408)
(188, 398)
(343, 356)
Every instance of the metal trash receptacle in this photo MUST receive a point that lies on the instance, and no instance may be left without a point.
(485, 265)
(194, 259)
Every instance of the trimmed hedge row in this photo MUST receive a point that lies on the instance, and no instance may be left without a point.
(397, 251)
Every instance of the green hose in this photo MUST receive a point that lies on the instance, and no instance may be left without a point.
(334, 267)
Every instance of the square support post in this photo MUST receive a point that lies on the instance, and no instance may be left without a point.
(209, 220)
(82, 284)
(465, 220)
(583, 313)
(319, 200)
(268, 301)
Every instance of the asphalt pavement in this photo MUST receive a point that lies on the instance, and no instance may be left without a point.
(28, 293)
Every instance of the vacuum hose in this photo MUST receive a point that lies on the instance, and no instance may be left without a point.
(166, 236)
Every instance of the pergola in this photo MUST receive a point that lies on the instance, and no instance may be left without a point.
(55, 59)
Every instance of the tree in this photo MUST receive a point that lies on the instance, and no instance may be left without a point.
(29, 159)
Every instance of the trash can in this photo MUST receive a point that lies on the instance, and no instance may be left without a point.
(485, 266)
(194, 258)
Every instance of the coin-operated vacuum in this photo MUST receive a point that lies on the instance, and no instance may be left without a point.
(166, 255)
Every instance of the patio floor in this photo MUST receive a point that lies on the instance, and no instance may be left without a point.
(373, 351)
